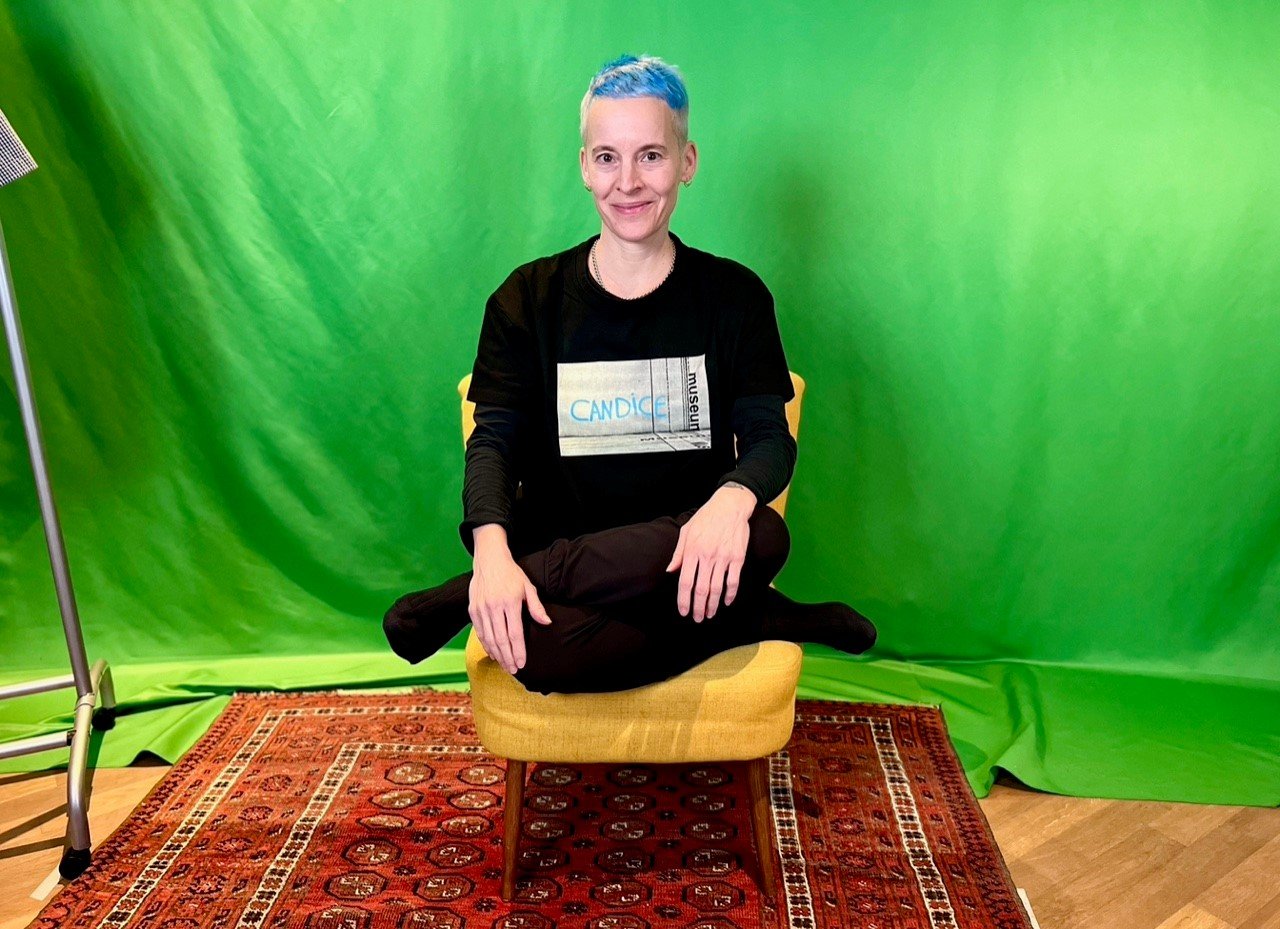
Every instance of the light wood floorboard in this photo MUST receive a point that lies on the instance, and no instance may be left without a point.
(33, 822)
(1083, 863)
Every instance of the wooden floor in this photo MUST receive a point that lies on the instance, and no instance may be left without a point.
(1085, 864)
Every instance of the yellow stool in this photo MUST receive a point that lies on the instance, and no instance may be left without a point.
(738, 705)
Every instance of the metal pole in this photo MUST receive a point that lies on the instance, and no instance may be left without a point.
(48, 511)
(15, 162)
(76, 854)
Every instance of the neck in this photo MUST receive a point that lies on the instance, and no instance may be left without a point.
(632, 254)
(633, 268)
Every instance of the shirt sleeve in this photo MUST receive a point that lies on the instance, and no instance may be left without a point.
(505, 368)
(766, 450)
(760, 365)
(489, 479)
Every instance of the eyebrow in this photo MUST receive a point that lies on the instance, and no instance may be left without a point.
(610, 148)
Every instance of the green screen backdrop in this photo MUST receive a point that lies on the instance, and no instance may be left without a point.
(1023, 253)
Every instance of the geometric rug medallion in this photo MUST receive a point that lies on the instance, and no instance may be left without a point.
(382, 811)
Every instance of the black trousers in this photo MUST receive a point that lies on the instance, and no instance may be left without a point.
(614, 619)
(615, 622)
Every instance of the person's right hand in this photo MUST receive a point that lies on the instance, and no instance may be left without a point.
(499, 590)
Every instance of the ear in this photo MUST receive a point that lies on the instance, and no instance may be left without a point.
(582, 165)
(690, 167)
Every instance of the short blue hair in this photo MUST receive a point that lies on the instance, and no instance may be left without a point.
(644, 76)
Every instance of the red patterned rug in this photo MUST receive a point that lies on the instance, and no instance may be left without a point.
(362, 811)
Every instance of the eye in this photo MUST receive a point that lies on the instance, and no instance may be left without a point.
(657, 155)
(604, 158)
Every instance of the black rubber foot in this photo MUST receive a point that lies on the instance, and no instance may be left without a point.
(105, 719)
(74, 861)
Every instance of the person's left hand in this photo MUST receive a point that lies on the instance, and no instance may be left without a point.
(711, 550)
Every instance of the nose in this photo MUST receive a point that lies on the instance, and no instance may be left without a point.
(629, 177)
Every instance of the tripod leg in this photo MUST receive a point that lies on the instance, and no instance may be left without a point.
(76, 855)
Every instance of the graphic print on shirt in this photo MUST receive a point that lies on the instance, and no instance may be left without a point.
(625, 407)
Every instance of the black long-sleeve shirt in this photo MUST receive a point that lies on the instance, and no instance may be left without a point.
(604, 411)
(766, 456)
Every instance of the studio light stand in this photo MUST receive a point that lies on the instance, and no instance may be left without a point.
(15, 162)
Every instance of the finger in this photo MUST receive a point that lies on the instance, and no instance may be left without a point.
(478, 610)
(701, 591)
(515, 635)
(731, 581)
(481, 622)
(503, 638)
(677, 557)
(717, 585)
(489, 640)
(536, 609)
(688, 571)
(512, 618)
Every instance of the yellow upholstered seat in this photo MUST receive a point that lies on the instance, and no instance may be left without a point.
(735, 706)
(738, 705)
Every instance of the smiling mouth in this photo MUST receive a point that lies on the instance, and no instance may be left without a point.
(632, 208)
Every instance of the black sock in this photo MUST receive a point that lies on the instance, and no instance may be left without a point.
(835, 624)
(420, 623)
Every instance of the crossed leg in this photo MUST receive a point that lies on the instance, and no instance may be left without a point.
(583, 582)
(615, 624)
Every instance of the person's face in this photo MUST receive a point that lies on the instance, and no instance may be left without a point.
(633, 164)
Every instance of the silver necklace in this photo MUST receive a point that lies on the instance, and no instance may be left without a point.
(595, 267)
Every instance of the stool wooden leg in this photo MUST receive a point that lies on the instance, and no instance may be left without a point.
(762, 823)
(511, 834)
